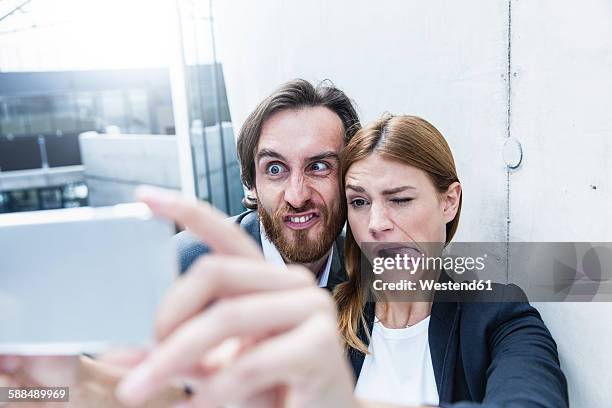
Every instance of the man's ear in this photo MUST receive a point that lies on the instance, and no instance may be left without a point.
(451, 199)
(253, 193)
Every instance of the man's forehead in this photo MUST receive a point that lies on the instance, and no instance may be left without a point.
(307, 131)
(302, 150)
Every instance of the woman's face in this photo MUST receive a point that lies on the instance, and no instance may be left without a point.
(391, 202)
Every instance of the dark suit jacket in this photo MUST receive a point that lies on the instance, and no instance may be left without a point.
(190, 247)
(488, 354)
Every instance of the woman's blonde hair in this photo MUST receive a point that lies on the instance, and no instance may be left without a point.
(405, 139)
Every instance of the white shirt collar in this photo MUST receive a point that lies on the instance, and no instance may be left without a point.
(272, 255)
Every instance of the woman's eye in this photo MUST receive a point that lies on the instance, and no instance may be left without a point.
(401, 200)
(358, 202)
(319, 166)
(274, 169)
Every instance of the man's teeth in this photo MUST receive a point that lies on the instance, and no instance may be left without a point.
(301, 219)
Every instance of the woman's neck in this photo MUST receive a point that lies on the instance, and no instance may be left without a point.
(397, 315)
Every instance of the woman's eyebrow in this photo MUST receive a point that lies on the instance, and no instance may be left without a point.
(354, 188)
(397, 190)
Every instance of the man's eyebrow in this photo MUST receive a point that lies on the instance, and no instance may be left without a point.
(355, 188)
(269, 153)
(325, 155)
(397, 190)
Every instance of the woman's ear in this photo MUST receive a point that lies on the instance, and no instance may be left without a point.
(451, 199)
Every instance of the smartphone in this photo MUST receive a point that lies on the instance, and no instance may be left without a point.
(82, 280)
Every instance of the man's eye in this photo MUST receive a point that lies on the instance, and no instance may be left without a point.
(319, 166)
(275, 169)
(358, 202)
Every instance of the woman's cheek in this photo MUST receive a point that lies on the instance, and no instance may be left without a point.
(358, 223)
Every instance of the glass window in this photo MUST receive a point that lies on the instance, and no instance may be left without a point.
(216, 159)
(39, 114)
(216, 168)
(63, 150)
(20, 153)
(4, 202)
(64, 113)
(138, 119)
(75, 195)
(50, 198)
(87, 114)
(113, 109)
(24, 200)
(13, 117)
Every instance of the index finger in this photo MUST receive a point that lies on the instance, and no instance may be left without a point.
(206, 222)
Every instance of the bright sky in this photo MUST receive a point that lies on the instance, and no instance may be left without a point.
(86, 34)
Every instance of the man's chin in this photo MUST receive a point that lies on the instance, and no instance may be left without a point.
(305, 245)
(302, 249)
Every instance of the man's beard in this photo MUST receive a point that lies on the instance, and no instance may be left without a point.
(302, 249)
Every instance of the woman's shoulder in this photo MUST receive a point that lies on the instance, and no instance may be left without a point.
(493, 292)
(502, 305)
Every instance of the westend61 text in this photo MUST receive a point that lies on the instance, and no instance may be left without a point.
(429, 285)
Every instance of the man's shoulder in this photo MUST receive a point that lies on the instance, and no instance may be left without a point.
(190, 247)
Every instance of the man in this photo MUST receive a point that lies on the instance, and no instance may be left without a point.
(288, 150)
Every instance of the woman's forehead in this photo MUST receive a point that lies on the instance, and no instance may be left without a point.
(376, 171)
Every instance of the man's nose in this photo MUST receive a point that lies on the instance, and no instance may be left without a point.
(298, 192)
(379, 221)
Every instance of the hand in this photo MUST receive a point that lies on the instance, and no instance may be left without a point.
(91, 382)
(21, 371)
(240, 330)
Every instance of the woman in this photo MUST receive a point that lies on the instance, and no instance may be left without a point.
(401, 186)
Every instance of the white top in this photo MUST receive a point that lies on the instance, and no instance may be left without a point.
(272, 255)
(398, 369)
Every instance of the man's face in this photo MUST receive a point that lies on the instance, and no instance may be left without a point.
(296, 182)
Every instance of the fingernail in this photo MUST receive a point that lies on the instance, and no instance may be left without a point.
(136, 387)
(182, 404)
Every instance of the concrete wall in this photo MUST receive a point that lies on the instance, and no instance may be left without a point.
(483, 72)
(400, 57)
(560, 112)
(116, 164)
(39, 178)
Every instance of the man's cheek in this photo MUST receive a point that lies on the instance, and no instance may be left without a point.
(270, 198)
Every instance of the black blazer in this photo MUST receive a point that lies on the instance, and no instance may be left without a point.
(488, 354)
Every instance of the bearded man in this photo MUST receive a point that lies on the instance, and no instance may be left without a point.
(288, 149)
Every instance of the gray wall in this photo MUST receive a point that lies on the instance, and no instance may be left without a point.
(483, 72)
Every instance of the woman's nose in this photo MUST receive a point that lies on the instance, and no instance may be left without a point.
(379, 221)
